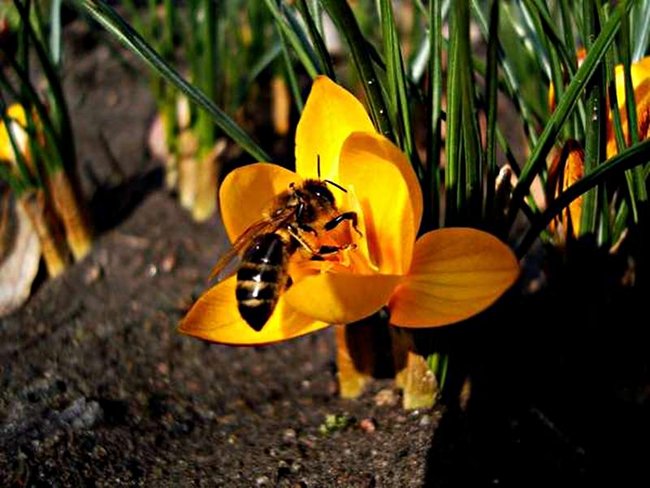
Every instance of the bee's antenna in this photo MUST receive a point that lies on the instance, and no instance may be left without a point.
(336, 185)
(328, 181)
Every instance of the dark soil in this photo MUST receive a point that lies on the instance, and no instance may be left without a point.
(98, 388)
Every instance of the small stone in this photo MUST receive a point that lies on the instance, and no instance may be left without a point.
(262, 481)
(168, 263)
(386, 398)
(82, 414)
(92, 274)
(308, 442)
(112, 98)
(368, 425)
(284, 469)
(289, 436)
(99, 452)
(152, 270)
(425, 420)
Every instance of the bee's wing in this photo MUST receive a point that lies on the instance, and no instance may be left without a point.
(228, 257)
(260, 227)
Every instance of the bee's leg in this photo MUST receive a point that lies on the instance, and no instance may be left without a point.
(351, 216)
(325, 250)
(307, 228)
(300, 210)
(293, 232)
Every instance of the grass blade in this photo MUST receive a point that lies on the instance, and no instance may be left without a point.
(431, 186)
(491, 82)
(294, 36)
(595, 135)
(317, 40)
(58, 105)
(290, 72)
(453, 143)
(472, 170)
(347, 25)
(640, 193)
(641, 30)
(513, 88)
(55, 32)
(397, 90)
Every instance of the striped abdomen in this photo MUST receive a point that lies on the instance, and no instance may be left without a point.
(261, 278)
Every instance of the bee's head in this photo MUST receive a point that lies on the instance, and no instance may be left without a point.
(319, 190)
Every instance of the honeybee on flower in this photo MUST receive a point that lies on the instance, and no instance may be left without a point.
(442, 277)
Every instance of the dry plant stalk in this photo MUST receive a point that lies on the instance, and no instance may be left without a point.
(207, 173)
(420, 384)
(188, 146)
(7, 225)
(73, 216)
(164, 151)
(49, 231)
(281, 108)
(413, 375)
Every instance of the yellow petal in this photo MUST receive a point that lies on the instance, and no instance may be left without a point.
(640, 73)
(18, 122)
(341, 298)
(248, 192)
(215, 317)
(456, 273)
(17, 112)
(389, 194)
(567, 168)
(331, 114)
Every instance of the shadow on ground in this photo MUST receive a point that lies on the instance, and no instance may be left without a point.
(561, 393)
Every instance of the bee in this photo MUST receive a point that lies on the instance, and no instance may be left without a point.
(294, 223)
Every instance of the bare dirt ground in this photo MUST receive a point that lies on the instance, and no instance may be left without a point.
(98, 389)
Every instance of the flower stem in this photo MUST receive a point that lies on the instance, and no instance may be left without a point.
(343, 17)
